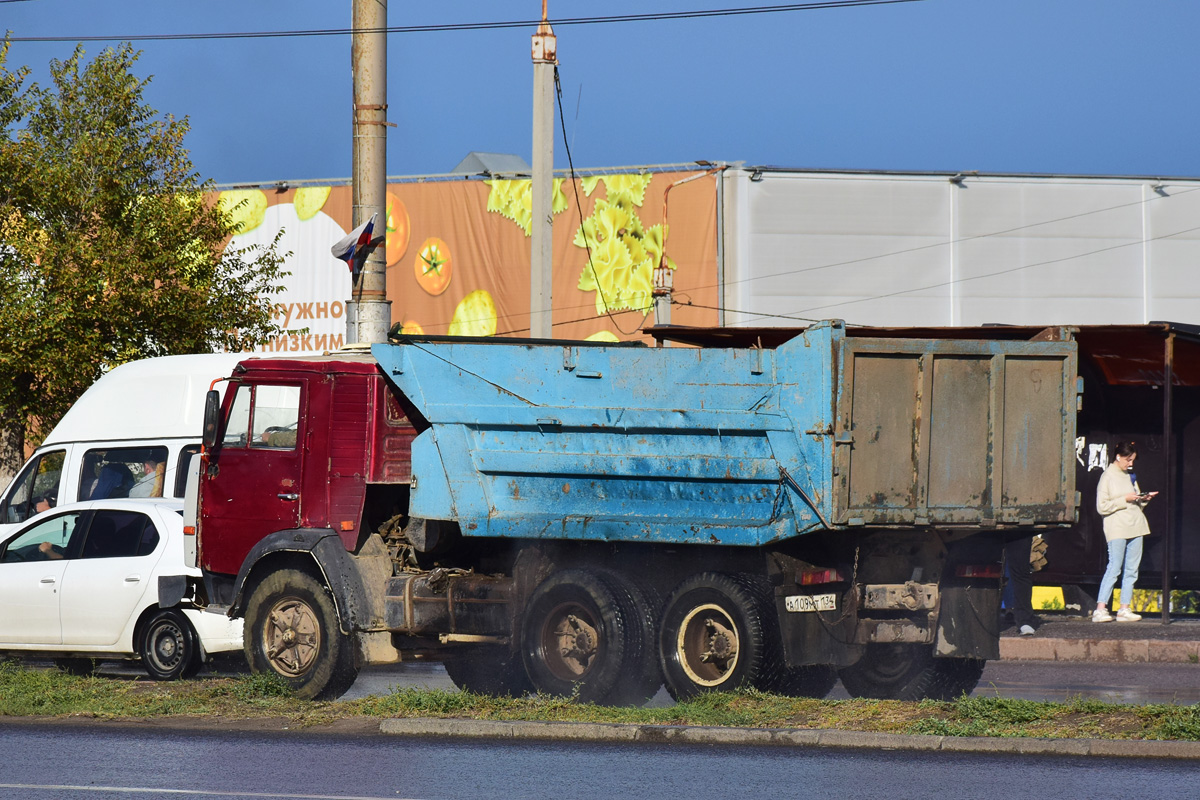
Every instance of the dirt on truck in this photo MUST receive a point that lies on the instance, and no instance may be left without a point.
(596, 520)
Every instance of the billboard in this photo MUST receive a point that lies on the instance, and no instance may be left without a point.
(458, 254)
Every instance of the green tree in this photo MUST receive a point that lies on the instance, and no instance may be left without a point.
(108, 250)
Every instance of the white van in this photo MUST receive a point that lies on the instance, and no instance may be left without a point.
(130, 435)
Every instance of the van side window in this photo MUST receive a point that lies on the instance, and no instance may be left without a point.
(123, 472)
(36, 489)
(185, 461)
(276, 416)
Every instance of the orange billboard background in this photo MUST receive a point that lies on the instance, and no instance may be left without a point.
(458, 254)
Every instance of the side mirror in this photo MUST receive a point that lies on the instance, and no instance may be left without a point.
(212, 418)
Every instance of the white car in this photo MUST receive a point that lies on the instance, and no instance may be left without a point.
(81, 583)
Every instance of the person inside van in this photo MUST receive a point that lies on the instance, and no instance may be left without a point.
(45, 502)
(114, 481)
(151, 482)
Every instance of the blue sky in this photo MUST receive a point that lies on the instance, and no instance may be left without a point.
(1042, 86)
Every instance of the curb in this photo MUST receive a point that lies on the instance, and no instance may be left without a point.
(781, 737)
(1032, 648)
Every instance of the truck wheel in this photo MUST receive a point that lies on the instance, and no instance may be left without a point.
(494, 671)
(292, 631)
(910, 672)
(642, 675)
(168, 647)
(713, 637)
(575, 637)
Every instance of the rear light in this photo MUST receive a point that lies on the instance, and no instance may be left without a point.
(189, 530)
(978, 571)
(812, 577)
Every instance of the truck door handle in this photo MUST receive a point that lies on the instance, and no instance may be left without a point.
(283, 496)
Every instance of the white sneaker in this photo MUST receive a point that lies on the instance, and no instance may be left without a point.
(1125, 615)
(1101, 615)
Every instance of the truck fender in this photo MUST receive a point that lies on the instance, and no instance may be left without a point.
(337, 567)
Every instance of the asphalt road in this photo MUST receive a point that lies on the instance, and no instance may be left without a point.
(68, 763)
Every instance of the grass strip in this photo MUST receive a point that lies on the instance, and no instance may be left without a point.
(29, 692)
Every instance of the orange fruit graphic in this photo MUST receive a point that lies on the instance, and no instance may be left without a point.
(397, 229)
(432, 266)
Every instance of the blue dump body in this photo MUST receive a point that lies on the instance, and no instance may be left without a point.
(730, 446)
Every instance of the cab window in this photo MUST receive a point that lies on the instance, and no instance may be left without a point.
(264, 416)
(36, 488)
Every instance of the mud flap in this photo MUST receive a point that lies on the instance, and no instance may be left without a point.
(969, 622)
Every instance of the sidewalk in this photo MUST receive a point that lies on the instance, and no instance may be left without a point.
(1074, 638)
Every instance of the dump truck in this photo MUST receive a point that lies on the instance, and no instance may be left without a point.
(595, 520)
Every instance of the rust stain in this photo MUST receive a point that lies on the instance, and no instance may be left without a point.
(566, 488)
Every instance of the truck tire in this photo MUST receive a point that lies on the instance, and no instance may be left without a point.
(292, 631)
(576, 637)
(642, 676)
(169, 647)
(713, 636)
(910, 672)
(494, 671)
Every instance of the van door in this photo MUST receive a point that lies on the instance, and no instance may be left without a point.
(252, 486)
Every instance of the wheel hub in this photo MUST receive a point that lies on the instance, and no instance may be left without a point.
(291, 637)
(576, 641)
(708, 645)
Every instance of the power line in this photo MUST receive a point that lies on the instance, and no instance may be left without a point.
(469, 26)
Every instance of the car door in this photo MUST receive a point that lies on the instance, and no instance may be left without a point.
(105, 587)
(33, 564)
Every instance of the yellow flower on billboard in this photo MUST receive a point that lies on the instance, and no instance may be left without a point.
(513, 199)
(623, 255)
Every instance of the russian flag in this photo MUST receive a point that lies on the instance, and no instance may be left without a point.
(350, 247)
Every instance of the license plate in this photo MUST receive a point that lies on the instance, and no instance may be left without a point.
(810, 602)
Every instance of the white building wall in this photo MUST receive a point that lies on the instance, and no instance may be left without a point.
(920, 249)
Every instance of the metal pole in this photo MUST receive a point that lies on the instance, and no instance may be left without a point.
(369, 314)
(1169, 537)
(541, 276)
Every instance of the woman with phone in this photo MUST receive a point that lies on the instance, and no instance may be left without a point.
(1119, 500)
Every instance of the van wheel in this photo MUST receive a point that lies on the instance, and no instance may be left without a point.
(713, 636)
(292, 631)
(168, 648)
(910, 672)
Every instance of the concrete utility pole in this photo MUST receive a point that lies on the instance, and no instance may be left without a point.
(369, 313)
(541, 276)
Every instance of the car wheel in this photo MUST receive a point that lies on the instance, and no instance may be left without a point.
(292, 631)
(169, 649)
(83, 667)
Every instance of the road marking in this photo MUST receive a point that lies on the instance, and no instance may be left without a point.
(195, 792)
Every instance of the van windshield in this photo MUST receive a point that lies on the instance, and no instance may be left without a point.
(36, 489)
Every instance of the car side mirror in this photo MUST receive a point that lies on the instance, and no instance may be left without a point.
(212, 418)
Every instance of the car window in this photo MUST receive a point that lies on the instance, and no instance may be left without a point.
(122, 472)
(36, 489)
(181, 471)
(276, 416)
(119, 534)
(49, 539)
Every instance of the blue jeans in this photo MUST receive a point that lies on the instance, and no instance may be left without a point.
(1129, 553)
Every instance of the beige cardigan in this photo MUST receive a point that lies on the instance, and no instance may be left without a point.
(1121, 520)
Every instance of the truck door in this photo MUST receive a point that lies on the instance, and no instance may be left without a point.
(252, 485)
